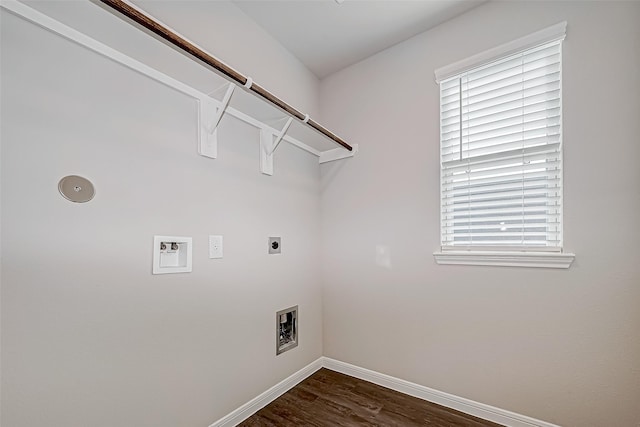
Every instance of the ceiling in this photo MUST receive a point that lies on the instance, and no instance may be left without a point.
(328, 36)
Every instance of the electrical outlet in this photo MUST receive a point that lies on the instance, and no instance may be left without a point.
(275, 245)
(215, 247)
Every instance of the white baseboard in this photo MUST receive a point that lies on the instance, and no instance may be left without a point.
(480, 410)
(259, 402)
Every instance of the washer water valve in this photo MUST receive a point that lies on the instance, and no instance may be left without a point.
(172, 254)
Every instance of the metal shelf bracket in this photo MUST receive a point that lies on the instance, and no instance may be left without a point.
(210, 114)
(268, 146)
(281, 135)
(337, 154)
(266, 151)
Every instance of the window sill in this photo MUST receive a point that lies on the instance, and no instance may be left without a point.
(506, 259)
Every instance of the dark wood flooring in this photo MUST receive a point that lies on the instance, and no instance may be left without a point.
(328, 398)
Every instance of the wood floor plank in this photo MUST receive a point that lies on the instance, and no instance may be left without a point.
(329, 399)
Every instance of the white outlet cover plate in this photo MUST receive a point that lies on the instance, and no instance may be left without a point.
(215, 246)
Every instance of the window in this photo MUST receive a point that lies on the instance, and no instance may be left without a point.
(501, 155)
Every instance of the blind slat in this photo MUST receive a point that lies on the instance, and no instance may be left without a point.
(504, 123)
(515, 90)
(528, 102)
(527, 137)
(507, 109)
(535, 153)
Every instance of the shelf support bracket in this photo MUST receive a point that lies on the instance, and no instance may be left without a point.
(281, 135)
(208, 138)
(268, 146)
(337, 154)
(266, 151)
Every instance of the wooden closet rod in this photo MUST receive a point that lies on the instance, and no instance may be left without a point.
(231, 74)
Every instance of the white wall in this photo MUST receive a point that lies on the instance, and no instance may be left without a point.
(89, 336)
(244, 45)
(562, 346)
(217, 26)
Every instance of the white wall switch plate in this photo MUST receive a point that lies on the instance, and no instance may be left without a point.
(172, 254)
(215, 247)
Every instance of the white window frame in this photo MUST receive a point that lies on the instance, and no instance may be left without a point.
(512, 256)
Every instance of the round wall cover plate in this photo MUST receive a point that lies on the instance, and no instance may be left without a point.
(76, 188)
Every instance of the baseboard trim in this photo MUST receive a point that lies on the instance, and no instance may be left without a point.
(254, 405)
(480, 410)
(477, 409)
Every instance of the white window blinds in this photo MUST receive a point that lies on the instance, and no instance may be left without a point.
(501, 153)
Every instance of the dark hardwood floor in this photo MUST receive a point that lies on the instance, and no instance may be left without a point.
(328, 398)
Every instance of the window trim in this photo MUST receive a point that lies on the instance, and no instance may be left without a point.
(505, 258)
(512, 257)
(546, 35)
